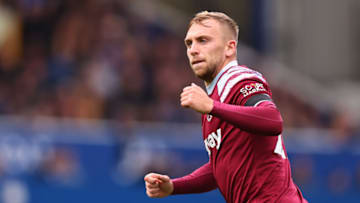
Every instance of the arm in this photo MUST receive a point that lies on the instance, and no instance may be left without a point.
(201, 180)
(262, 119)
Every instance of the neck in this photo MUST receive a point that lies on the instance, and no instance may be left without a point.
(218, 69)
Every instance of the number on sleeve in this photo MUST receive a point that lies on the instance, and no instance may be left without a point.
(279, 149)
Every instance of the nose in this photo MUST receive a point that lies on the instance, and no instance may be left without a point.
(193, 50)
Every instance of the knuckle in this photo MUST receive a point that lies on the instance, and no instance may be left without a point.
(148, 175)
(148, 194)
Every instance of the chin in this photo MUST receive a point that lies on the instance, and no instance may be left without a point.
(198, 70)
(202, 75)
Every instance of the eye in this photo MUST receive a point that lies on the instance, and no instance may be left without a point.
(202, 40)
(188, 44)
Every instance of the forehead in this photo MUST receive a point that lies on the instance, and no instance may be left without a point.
(206, 27)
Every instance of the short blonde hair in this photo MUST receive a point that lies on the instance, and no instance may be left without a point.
(218, 16)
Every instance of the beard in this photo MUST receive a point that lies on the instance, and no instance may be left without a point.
(206, 73)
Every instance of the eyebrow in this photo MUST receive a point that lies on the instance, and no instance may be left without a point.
(198, 37)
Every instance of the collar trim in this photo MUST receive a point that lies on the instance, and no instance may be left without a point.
(210, 88)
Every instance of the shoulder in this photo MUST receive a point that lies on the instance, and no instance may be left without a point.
(234, 76)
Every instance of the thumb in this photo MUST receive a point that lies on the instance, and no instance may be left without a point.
(196, 86)
(164, 178)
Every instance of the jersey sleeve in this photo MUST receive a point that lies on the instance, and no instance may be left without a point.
(250, 93)
(264, 119)
(247, 104)
(201, 180)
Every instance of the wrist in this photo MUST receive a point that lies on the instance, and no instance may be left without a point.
(210, 106)
(171, 187)
(214, 108)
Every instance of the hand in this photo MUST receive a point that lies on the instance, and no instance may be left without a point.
(196, 98)
(158, 186)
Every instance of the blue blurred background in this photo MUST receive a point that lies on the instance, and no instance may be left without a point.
(89, 95)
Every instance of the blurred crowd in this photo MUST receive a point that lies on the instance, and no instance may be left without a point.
(89, 59)
(97, 60)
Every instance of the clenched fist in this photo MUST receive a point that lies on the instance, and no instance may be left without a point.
(158, 185)
(196, 98)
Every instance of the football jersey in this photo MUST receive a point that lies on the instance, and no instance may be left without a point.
(247, 167)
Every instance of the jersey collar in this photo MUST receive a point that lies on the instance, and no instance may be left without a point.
(210, 88)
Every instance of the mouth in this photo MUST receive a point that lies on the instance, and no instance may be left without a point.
(197, 62)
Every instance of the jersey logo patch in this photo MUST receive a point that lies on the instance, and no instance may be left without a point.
(252, 88)
(208, 117)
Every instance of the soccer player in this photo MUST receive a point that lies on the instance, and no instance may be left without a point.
(241, 124)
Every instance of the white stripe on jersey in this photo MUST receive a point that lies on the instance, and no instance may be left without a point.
(237, 79)
(212, 85)
(226, 76)
(259, 102)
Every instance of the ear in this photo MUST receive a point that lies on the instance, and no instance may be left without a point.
(230, 48)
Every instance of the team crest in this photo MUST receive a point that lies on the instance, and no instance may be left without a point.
(209, 117)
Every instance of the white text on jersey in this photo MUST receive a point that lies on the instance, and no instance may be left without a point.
(252, 88)
(213, 140)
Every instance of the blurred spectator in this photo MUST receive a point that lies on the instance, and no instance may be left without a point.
(61, 167)
(10, 38)
(339, 181)
(303, 170)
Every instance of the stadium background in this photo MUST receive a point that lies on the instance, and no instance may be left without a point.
(89, 94)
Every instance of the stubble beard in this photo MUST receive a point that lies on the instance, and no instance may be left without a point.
(208, 75)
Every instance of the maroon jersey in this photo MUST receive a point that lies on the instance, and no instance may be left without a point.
(247, 167)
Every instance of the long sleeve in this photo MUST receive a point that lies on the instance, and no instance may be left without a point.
(201, 180)
(263, 119)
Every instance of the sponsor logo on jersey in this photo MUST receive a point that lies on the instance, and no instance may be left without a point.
(252, 88)
(213, 140)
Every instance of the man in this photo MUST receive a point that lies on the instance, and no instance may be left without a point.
(241, 125)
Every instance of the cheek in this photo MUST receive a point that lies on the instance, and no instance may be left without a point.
(217, 54)
(222, 52)
(188, 55)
